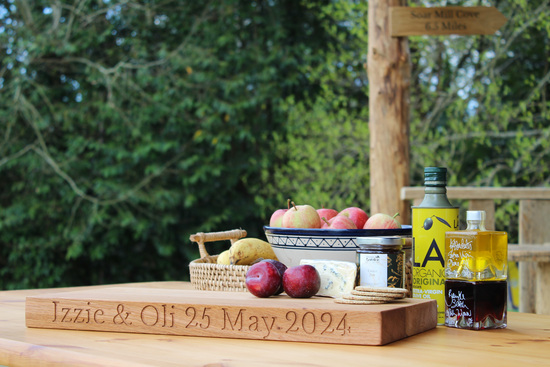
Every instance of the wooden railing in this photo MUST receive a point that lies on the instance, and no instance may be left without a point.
(533, 250)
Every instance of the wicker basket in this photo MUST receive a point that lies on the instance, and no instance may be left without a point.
(207, 274)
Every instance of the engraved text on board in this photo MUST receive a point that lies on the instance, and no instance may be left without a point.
(198, 318)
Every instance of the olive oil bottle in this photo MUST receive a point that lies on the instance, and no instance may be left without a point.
(430, 221)
(476, 253)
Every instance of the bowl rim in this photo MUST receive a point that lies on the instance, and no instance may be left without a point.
(405, 230)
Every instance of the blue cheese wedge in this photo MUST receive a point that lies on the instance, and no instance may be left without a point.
(338, 278)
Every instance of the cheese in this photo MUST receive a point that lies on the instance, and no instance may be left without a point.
(337, 277)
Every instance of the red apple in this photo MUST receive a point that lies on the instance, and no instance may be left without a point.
(382, 221)
(282, 268)
(276, 219)
(301, 281)
(357, 215)
(327, 213)
(301, 216)
(339, 222)
(263, 279)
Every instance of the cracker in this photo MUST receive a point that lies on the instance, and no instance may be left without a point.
(381, 289)
(357, 302)
(378, 294)
(368, 298)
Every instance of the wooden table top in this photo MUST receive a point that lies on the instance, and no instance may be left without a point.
(526, 341)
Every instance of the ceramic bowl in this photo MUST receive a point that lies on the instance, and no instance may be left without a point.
(294, 244)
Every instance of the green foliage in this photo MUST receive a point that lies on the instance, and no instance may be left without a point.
(129, 125)
(480, 105)
(322, 159)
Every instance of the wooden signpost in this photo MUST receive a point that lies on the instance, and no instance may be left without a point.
(405, 21)
(389, 72)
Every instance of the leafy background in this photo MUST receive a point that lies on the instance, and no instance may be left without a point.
(129, 125)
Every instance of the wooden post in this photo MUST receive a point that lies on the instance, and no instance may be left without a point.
(389, 72)
(534, 276)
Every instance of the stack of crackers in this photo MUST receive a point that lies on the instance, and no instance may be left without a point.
(363, 295)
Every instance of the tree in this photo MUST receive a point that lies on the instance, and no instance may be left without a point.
(322, 156)
(130, 125)
(480, 104)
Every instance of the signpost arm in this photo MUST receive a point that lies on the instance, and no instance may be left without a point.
(389, 72)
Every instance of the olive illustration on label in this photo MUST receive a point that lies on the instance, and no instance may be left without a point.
(428, 223)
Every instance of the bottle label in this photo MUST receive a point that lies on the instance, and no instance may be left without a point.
(381, 270)
(476, 255)
(428, 231)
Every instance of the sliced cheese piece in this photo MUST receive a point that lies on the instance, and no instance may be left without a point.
(337, 277)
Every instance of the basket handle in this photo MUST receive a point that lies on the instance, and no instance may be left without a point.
(201, 238)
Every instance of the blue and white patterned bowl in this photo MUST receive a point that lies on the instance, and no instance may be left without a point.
(294, 244)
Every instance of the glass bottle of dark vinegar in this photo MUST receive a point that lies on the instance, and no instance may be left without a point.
(475, 305)
(475, 285)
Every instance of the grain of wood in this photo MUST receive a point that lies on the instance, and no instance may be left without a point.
(533, 277)
(389, 72)
(482, 193)
(528, 333)
(230, 315)
(417, 21)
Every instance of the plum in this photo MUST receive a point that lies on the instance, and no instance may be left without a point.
(263, 279)
(301, 281)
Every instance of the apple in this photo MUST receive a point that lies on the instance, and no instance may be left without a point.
(338, 222)
(263, 279)
(276, 219)
(301, 281)
(357, 215)
(382, 221)
(301, 216)
(327, 213)
(282, 268)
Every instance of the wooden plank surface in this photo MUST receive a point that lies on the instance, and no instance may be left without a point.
(482, 193)
(525, 341)
(529, 253)
(230, 315)
(461, 20)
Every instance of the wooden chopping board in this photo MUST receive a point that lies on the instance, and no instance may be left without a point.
(230, 315)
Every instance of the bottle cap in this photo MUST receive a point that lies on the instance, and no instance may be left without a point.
(478, 215)
(435, 176)
(380, 242)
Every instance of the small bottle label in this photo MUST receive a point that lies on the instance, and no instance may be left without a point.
(381, 270)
